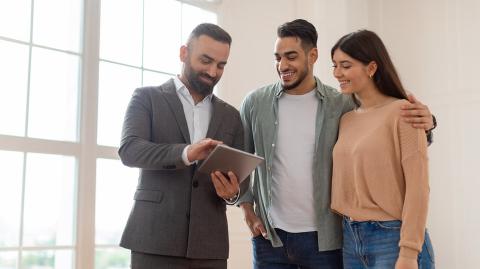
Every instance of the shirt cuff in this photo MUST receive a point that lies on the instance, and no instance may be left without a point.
(185, 158)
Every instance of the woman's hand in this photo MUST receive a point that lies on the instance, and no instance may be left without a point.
(406, 263)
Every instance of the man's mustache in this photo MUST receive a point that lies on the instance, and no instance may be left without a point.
(207, 76)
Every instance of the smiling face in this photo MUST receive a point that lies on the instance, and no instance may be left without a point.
(294, 65)
(203, 62)
(353, 75)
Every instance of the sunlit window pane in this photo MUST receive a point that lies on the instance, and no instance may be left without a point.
(15, 19)
(154, 78)
(49, 200)
(57, 23)
(8, 259)
(192, 16)
(112, 258)
(13, 87)
(113, 208)
(11, 176)
(47, 259)
(116, 86)
(121, 31)
(53, 95)
(162, 36)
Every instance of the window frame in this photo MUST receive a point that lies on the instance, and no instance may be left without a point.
(85, 149)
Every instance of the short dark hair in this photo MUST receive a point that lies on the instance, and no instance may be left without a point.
(365, 46)
(211, 30)
(301, 29)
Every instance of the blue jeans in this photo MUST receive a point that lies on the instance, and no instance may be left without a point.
(299, 251)
(374, 245)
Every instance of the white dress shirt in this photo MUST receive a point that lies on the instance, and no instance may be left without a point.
(197, 115)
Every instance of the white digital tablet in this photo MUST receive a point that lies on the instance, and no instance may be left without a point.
(224, 158)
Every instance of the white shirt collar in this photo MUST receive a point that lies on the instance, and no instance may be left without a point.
(182, 89)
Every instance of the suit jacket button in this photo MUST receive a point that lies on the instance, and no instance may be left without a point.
(195, 184)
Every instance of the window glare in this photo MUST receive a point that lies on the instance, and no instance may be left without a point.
(121, 31)
(159, 54)
(8, 259)
(58, 27)
(154, 79)
(112, 258)
(13, 87)
(49, 184)
(53, 95)
(116, 85)
(15, 19)
(11, 177)
(50, 259)
(113, 208)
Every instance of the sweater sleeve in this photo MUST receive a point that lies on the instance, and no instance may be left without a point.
(413, 149)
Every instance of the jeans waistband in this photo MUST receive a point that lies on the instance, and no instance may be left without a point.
(350, 220)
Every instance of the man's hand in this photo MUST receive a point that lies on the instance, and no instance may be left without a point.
(225, 188)
(417, 114)
(405, 263)
(254, 223)
(201, 149)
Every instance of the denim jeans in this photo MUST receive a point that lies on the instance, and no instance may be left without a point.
(374, 245)
(299, 251)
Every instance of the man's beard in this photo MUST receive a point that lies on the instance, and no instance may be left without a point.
(301, 77)
(193, 78)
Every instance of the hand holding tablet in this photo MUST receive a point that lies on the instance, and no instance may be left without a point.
(224, 159)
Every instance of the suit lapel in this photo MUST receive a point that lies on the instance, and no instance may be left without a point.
(177, 108)
(217, 117)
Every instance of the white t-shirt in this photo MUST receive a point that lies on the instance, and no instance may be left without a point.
(292, 206)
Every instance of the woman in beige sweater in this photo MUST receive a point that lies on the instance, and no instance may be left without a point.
(380, 164)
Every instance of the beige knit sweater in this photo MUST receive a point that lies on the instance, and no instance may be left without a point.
(380, 172)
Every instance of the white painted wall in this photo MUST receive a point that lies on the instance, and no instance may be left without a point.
(252, 25)
(434, 45)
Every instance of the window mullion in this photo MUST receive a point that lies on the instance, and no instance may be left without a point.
(85, 237)
(29, 68)
(22, 210)
(24, 172)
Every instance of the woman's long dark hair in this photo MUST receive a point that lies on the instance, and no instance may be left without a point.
(365, 46)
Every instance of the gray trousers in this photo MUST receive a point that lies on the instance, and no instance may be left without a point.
(150, 261)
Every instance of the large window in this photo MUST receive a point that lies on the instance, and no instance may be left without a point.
(68, 69)
(139, 45)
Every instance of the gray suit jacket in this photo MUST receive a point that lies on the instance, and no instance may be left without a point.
(176, 211)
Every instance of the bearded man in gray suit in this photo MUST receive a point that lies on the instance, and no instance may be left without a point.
(178, 219)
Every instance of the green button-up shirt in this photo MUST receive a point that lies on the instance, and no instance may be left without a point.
(259, 114)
